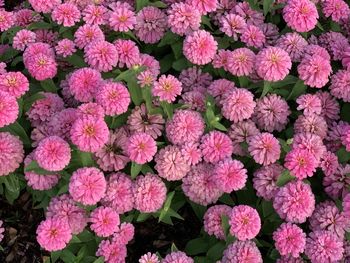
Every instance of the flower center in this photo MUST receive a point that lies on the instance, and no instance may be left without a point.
(123, 18)
(12, 81)
(113, 95)
(301, 161)
(53, 233)
(89, 130)
(42, 62)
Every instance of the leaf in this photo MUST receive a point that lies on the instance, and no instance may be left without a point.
(135, 169)
(198, 210)
(16, 61)
(141, 4)
(219, 126)
(135, 92)
(9, 54)
(168, 109)
(298, 89)
(76, 61)
(180, 64)
(320, 26)
(33, 166)
(159, 4)
(174, 248)
(99, 260)
(55, 256)
(67, 256)
(267, 208)
(267, 5)
(284, 178)
(225, 224)
(39, 25)
(216, 251)
(168, 39)
(166, 206)
(206, 22)
(48, 85)
(166, 63)
(177, 49)
(147, 97)
(226, 199)
(266, 89)
(344, 113)
(86, 158)
(196, 246)
(143, 217)
(343, 155)
(16, 129)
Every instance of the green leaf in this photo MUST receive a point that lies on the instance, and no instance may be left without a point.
(76, 61)
(48, 85)
(177, 49)
(55, 256)
(16, 129)
(39, 25)
(206, 22)
(298, 89)
(267, 88)
(143, 217)
(99, 260)
(166, 206)
(168, 39)
(284, 178)
(9, 54)
(86, 158)
(135, 92)
(168, 109)
(320, 26)
(196, 246)
(198, 210)
(343, 155)
(16, 60)
(147, 97)
(141, 4)
(180, 64)
(174, 248)
(158, 4)
(33, 166)
(226, 199)
(267, 5)
(285, 146)
(216, 251)
(219, 126)
(135, 169)
(225, 224)
(344, 113)
(267, 208)
(67, 256)
(243, 81)
(167, 62)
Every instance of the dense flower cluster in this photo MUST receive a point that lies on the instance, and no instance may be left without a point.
(235, 112)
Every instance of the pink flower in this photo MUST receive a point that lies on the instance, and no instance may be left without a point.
(216, 146)
(314, 71)
(43, 109)
(328, 217)
(101, 55)
(104, 221)
(294, 202)
(170, 163)
(346, 58)
(61, 123)
(212, 220)
(241, 62)
(191, 153)
(265, 179)
(252, 36)
(65, 208)
(329, 163)
(311, 123)
(264, 148)
(2, 230)
(273, 64)
(310, 142)
(289, 240)
(112, 252)
(232, 25)
(44, 6)
(140, 120)
(300, 15)
(183, 18)
(219, 87)
(200, 47)
(12, 153)
(336, 9)
(66, 14)
(194, 78)
(125, 233)
(83, 84)
(90, 109)
(186, 126)
(95, 15)
(194, 99)
(6, 20)
(271, 113)
(230, 175)
(301, 163)
(141, 148)
(330, 106)
(336, 185)
(122, 19)
(119, 193)
(25, 17)
(114, 98)
(150, 63)
(149, 193)
(53, 234)
(128, 52)
(65, 47)
(220, 59)
(39, 181)
(178, 256)
(53, 153)
(244, 222)
(242, 251)
(87, 34)
(14, 83)
(293, 44)
(323, 246)
(310, 103)
(150, 25)
(237, 104)
(8, 109)
(339, 87)
(23, 38)
(203, 6)
(89, 134)
(149, 258)
(198, 185)
(251, 16)
(346, 206)
(145, 78)
(167, 88)
(87, 185)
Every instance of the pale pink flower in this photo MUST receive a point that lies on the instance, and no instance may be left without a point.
(141, 148)
(264, 148)
(104, 221)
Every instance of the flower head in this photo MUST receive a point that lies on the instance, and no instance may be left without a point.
(141, 148)
(301, 163)
(167, 88)
(264, 148)
(104, 221)
(241, 62)
(242, 251)
(12, 153)
(101, 55)
(213, 222)
(14, 83)
(216, 146)
(66, 14)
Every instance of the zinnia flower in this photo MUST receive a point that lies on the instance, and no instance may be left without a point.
(252, 36)
(212, 220)
(14, 83)
(87, 34)
(242, 251)
(167, 88)
(149, 258)
(178, 256)
(104, 221)
(23, 38)
(122, 19)
(264, 148)
(216, 146)
(65, 47)
(241, 62)
(301, 163)
(310, 103)
(66, 14)
(11, 153)
(203, 6)
(314, 71)
(101, 55)
(232, 25)
(141, 148)
(294, 44)
(339, 87)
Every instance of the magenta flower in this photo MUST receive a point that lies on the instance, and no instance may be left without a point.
(232, 25)
(104, 221)
(293, 44)
(65, 47)
(53, 153)
(124, 234)
(87, 186)
(294, 202)
(216, 146)
(289, 240)
(95, 15)
(66, 14)
(310, 103)
(264, 148)
(149, 193)
(149, 258)
(313, 123)
(90, 109)
(191, 153)
(167, 88)
(336, 9)
(178, 256)
(112, 252)
(194, 78)
(14, 83)
(128, 52)
(244, 222)
(219, 87)
(301, 163)
(253, 36)
(273, 64)
(311, 142)
(87, 34)
(23, 38)
(141, 148)
(314, 71)
(122, 19)
(101, 55)
(241, 62)
(212, 220)
(339, 87)
(44, 5)
(300, 15)
(7, 20)
(329, 163)
(12, 153)
(242, 251)
(200, 47)
(53, 234)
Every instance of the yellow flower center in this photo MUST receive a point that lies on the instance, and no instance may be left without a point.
(89, 130)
